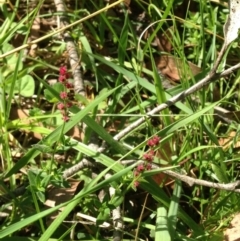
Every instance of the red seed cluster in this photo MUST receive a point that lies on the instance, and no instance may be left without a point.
(147, 157)
(153, 141)
(64, 95)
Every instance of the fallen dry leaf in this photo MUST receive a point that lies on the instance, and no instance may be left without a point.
(173, 68)
(57, 196)
(228, 141)
(60, 195)
(170, 66)
(165, 43)
(233, 232)
(162, 42)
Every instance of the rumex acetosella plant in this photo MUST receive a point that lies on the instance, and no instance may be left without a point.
(65, 102)
(148, 159)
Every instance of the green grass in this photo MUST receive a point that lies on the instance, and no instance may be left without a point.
(120, 67)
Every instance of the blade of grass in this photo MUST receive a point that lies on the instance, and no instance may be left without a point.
(161, 231)
(173, 208)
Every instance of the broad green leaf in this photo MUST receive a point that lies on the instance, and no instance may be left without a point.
(25, 86)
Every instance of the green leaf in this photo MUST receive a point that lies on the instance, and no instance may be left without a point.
(103, 216)
(220, 173)
(32, 178)
(117, 200)
(123, 41)
(45, 181)
(23, 86)
(50, 95)
(160, 93)
(43, 148)
(41, 196)
(81, 99)
(139, 80)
